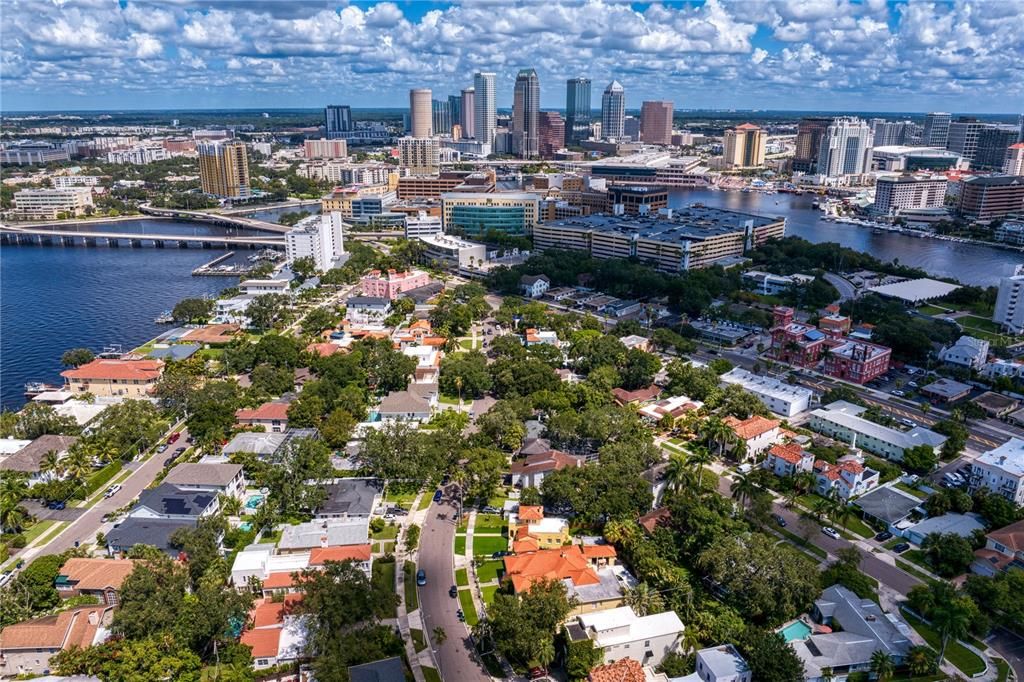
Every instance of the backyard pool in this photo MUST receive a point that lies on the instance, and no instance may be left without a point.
(797, 631)
(254, 501)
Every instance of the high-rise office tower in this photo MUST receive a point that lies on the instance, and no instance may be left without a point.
(888, 133)
(963, 137)
(485, 107)
(467, 116)
(656, 122)
(993, 141)
(440, 116)
(552, 133)
(224, 168)
(455, 111)
(744, 146)
(337, 119)
(936, 129)
(420, 113)
(846, 148)
(525, 113)
(613, 111)
(1020, 124)
(809, 134)
(577, 110)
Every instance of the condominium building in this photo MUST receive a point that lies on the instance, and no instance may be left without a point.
(842, 421)
(325, 149)
(1009, 310)
(845, 148)
(810, 132)
(337, 119)
(1013, 164)
(526, 114)
(421, 155)
(65, 181)
(936, 129)
(474, 214)
(990, 197)
(963, 137)
(485, 107)
(552, 134)
(346, 200)
(892, 132)
(577, 110)
(1001, 471)
(138, 156)
(345, 173)
(104, 377)
(780, 397)
(656, 122)
(467, 113)
(744, 147)
(319, 237)
(993, 143)
(675, 240)
(613, 111)
(420, 113)
(224, 168)
(48, 204)
(907, 192)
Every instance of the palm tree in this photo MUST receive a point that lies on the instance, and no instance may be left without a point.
(920, 660)
(51, 465)
(842, 513)
(743, 489)
(78, 463)
(698, 459)
(789, 497)
(717, 432)
(544, 653)
(13, 489)
(951, 620)
(644, 600)
(824, 507)
(230, 505)
(804, 481)
(439, 635)
(677, 473)
(882, 665)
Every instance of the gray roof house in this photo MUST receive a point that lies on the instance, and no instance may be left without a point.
(29, 459)
(144, 531)
(324, 532)
(887, 504)
(865, 630)
(406, 405)
(384, 670)
(217, 478)
(350, 498)
(168, 501)
(963, 525)
(262, 444)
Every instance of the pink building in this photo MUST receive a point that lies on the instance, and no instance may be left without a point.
(392, 284)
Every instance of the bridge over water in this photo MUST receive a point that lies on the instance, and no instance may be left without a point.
(63, 237)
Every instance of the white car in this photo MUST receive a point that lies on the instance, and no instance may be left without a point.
(832, 533)
(908, 422)
(112, 490)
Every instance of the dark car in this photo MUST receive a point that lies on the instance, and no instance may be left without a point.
(501, 553)
(453, 592)
(437, 496)
(779, 520)
(56, 505)
(901, 548)
(460, 615)
(421, 577)
(883, 536)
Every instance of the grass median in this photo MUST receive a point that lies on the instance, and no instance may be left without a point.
(468, 608)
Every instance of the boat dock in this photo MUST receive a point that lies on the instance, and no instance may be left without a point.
(215, 269)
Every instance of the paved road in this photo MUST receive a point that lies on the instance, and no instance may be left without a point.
(843, 286)
(1010, 647)
(83, 530)
(437, 608)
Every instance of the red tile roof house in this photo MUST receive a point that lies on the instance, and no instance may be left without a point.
(529, 472)
(756, 433)
(641, 395)
(28, 646)
(272, 416)
(276, 634)
(108, 378)
(787, 460)
(100, 578)
(847, 478)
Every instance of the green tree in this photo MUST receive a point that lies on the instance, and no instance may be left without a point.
(882, 665)
(770, 657)
(271, 380)
(948, 553)
(337, 428)
(211, 411)
(951, 620)
(76, 357)
(267, 310)
(191, 310)
(523, 625)
(919, 459)
(13, 489)
(644, 601)
(304, 268)
(465, 375)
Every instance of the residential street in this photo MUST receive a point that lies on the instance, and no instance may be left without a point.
(455, 658)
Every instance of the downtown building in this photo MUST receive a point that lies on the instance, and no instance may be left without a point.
(577, 110)
(526, 115)
(744, 147)
(990, 197)
(1009, 310)
(845, 149)
(420, 113)
(224, 168)
(467, 113)
(49, 203)
(904, 192)
(484, 107)
(319, 237)
(993, 144)
(810, 132)
(936, 129)
(337, 120)
(551, 135)
(656, 122)
(613, 111)
(1014, 162)
(421, 155)
(511, 213)
(325, 149)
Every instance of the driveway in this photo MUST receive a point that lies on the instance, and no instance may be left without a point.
(40, 511)
(455, 657)
(1010, 647)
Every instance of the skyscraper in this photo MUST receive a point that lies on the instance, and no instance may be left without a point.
(420, 113)
(455, 111)
(656, 122)
(577, 110)
(936, 129)
(467, 116)
(846, 148)
(552, 133)
(744, 146)
(224, 168)
(613, 111)
(421, 155)
(337, 119)
(525, 113)
(485, 107)
(993, 141)
(809, 134)
(963, 137)
(440, 117)
(888, 133)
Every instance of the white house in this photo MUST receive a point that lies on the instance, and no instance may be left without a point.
(788, 459)
(620, 633)
(756, 433)
(720, 664)
(367, 310)
(966, 352)
(1001, 471)
(781, 398)
(847, 479)
(534, 286)
(536, 337)
(222, 479)
(258, 287)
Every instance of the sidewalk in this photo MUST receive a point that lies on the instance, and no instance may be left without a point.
(408, 621)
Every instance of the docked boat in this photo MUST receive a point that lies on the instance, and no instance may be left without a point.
(164, 318)
(34, 388)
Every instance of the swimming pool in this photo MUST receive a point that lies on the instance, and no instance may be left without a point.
(245, 527)
(796, 631)
(254, 501)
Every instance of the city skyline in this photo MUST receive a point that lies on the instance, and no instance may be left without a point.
(878, 55)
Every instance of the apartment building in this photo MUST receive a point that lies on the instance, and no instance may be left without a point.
(1001, 471)
(842, 421)
(48, 204)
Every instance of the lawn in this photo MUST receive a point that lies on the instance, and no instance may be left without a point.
(448, 399)
(462, 577)
(412, 601)
(489, 523)
(389, 533)
(857, 525)
(460, 545)
(975, 322)
(488, 571)
(425, 501)
(914, 571)
(1003, 668)
(488, 544)
(37, 529)
(384, 577)
(430, 675)
(919, 494)
(468, 344)
(933, 310)
(53, 532)
(963, 658)
(273, 537)
(802, 544)
(404, 499)
(489, 591)
(466, 602)
(918, 557)
(418, 642)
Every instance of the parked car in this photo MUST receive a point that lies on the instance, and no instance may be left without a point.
(897, 392)
(453, 592)
(912, 384)
(174, 438)
(421, 577)
(883, 536)
(56, 505)
(112, 490)
(460, 615)
(832, 533)
(537, 673)
(779, 520)
(901, 548)
(6, 577)
(437, 496)
(163, 448)
(908, 422)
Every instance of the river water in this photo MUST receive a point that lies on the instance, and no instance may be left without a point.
(56, 298)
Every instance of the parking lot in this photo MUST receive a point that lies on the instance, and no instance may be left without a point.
(43, 513)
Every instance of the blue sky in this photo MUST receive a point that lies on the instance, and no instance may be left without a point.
(872, 55)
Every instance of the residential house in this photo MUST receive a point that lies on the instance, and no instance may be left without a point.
(846, 479)
(106, 377)
(275, 572)
(29, 459)
(1003, 550)
(367, 310)
(535, 337)
(325, 349)
(99, 578)
(841, 420)
(534, 286)
(590, 573)
(637, 397)
(1001, 471)
(167, 501)
(344, 532)
(621, 308)
(155, 532)
(755, 434)
(350, 498)
(967, 352)
(636, 341)
(964, 525)
(265, 445)
(654, 519)
(529, 530)
(384, 670)
(996, 405)
(622, 670)
(220, 479)
(530, 472)
(273, 416)
(675, 407)
(278, 632)
(888, 506)
(865, 630)
(415, 404)
(428, 363)
(28, 646)
(779, 397)
(419, 333)
(946, 390)
(720, 664)
(1003, 368)
(788, 459)
(620, 633)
